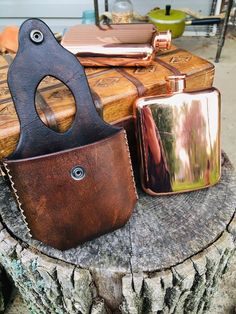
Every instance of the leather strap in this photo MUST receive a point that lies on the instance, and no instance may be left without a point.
(96, 74)
(40, 101)
(3, 82)
(25, 73)
(97, 101)
(165, 53)
(141, 89)
(3, 67)
(168, 66)
(5, 101)
(48, 112)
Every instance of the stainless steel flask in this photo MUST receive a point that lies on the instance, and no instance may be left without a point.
(179, 139)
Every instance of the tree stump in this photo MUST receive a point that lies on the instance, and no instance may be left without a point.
(6, 289)
(2, 302)
(167, 259)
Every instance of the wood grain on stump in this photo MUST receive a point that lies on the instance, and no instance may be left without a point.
(167, 259)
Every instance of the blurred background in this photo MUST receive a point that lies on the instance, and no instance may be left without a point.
(59, 14)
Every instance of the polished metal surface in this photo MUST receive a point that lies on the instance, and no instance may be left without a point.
(146, 51)
(139, 51)
(111, 47)
(162, 40)
(179, 141)
(77, 173)
(175, 83)
(36, 36)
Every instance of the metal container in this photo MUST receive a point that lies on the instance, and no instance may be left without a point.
(116, 45)
(179, 139)
(175, 20)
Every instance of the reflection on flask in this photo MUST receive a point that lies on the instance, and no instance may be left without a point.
(158, 174)
(179, 139)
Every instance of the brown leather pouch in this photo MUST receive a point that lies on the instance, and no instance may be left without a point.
(71, 186)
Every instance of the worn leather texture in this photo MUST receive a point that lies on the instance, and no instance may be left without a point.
(63, 208)
(64, 212)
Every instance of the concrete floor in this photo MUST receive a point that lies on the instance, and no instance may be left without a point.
(224, 301)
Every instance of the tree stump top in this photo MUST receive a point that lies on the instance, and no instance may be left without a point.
(162, 232)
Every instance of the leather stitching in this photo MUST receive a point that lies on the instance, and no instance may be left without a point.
(131, 168)
(17, 198)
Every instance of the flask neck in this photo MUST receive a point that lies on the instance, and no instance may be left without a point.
(175, 84)
(162, 40)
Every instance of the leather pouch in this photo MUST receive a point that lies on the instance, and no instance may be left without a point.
(115, 44)
(71, 186)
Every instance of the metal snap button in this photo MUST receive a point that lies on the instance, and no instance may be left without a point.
(36, 36)
(77, 173)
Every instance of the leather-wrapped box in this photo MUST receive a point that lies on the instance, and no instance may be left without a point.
(114, 91)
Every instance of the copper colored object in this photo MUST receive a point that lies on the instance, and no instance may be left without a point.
(115, 45)
(162, 40)
(179, 139)
(9, 39)
(71, 186)
(175, 83)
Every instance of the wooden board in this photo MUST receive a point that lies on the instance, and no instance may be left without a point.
(114, 91)
(167, 259)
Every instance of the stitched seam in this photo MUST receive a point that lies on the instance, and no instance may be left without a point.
(17, 197)
(2, 173)
(131, 168)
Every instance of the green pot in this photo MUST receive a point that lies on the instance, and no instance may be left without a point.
(168, 19)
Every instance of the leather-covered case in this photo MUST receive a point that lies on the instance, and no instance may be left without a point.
(71, 186)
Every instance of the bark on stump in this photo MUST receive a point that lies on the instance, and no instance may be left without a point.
(2, 301)
(167, 259)
(6, 289)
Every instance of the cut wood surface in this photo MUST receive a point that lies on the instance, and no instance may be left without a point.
(167, 259)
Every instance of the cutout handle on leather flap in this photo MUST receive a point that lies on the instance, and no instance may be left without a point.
(40, 55)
